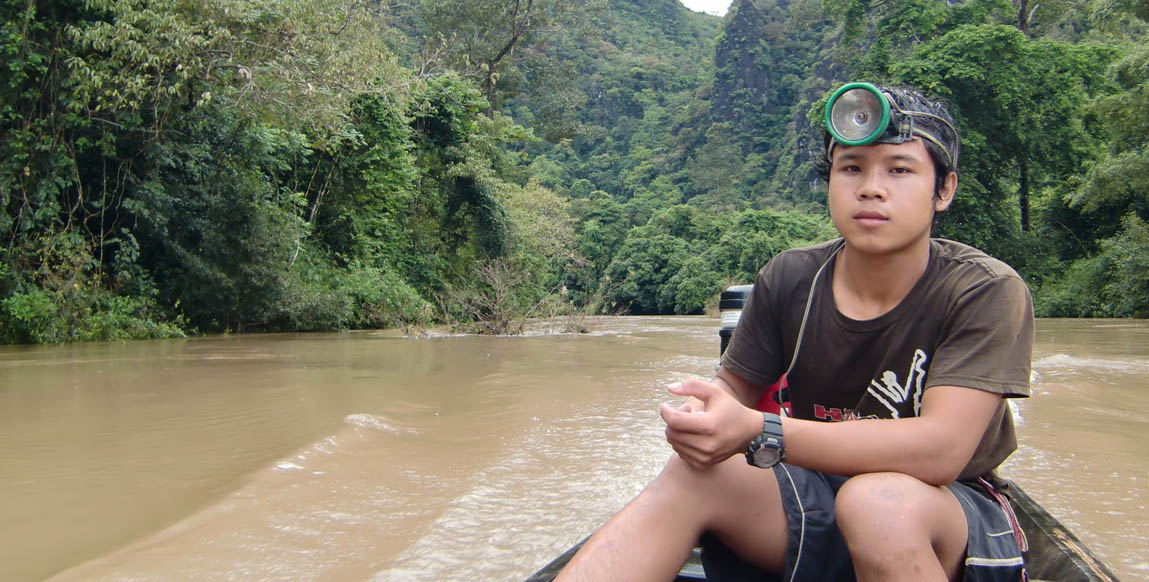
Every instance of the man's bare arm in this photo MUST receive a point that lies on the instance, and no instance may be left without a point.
(933, 448)
(744, 390)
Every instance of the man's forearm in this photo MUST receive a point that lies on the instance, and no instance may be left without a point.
(745, 392)
(870, 446)
(933, 448)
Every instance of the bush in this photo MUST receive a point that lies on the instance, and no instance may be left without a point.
(380, 298)
(1113, 283)
(62, 295)
(311, 304)
(29, 318)
(117, 317)
(34, 317)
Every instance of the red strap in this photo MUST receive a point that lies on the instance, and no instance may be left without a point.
(769, 401)
(1019, 534)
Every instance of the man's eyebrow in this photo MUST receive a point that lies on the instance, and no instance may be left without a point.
(903, 157)
(897, 157)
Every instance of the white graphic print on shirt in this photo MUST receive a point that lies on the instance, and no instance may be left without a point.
(891, 393)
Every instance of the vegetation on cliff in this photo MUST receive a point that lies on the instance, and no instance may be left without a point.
(172, 167)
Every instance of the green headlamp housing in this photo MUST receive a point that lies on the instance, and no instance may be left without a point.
(859, 114)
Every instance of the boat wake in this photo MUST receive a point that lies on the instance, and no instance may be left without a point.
(1060, 364)
(325, 512)
(376, 422)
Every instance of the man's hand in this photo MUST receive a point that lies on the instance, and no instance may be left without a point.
(710, 426)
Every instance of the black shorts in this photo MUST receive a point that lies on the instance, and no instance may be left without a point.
(816, 550)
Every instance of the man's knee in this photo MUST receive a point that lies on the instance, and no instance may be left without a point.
(888, 503)
(724, 495)
(887, 518)
(727, 482)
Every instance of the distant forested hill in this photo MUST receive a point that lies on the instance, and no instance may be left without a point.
(1048, 98)
(232, 165)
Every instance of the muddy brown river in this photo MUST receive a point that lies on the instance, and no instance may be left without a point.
(374, 457)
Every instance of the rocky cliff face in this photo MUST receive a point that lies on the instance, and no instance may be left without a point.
(767, 52)
(771, 62)
(741, 80)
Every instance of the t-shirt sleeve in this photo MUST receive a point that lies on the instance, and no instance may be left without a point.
(755, 350)
(988, 340)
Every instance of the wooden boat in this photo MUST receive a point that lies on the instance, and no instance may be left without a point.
(1055, 554)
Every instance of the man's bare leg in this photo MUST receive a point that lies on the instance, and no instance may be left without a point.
(899, 528)
(652, 536)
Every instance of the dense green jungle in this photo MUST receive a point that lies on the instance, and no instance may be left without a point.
(174, 167)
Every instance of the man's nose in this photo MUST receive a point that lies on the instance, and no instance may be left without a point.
(872, 186)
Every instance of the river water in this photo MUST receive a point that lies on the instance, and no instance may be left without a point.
(374, 457)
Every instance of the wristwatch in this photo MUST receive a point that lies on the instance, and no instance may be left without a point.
(767, 449)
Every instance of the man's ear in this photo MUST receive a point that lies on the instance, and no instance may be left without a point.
(946, 192)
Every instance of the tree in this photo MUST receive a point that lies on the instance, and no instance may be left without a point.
(1109, 208)
(1018, 103)
(645, 262)
(180, 154)
(1119, 182)
(482, 36)
(1111, 283)
(715, 169)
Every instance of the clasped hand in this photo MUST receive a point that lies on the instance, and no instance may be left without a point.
(711, 426)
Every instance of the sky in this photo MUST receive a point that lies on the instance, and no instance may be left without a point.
(712, 6)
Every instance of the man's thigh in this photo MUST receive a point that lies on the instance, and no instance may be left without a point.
(961, 517)
(813, 548)
(740, 504)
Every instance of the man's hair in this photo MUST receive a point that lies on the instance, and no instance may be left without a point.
(913, 101)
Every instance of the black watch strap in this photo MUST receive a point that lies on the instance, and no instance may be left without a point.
(767, 449)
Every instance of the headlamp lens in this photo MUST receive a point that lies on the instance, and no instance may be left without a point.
(857, 114)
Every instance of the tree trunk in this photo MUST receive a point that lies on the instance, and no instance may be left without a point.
(1023, 195)
(1024, 15)
(489, 90)
(520, 20)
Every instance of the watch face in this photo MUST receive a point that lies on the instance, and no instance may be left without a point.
(767, 455)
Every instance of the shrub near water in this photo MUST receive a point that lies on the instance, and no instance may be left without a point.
(1113, 283)
(66, 299)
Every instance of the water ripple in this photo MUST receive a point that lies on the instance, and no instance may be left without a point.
(1060, 363)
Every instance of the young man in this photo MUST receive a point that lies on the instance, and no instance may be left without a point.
(898, 350)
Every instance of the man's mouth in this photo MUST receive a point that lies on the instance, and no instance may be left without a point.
(870, 216)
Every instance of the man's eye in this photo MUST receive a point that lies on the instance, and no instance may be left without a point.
(900, 170)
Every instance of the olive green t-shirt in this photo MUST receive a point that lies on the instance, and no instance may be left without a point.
(968, 322)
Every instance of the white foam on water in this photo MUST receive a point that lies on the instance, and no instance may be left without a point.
(1058, 364)
(493, 528)
(370, 421)
(379, 423)
(1015, 409)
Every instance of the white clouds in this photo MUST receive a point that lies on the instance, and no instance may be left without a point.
(710, 6)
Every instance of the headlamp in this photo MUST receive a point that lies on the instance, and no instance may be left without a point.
(859, 114)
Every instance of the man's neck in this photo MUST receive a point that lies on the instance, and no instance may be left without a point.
(869, 286)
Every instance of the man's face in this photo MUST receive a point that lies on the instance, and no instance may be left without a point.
(882, 195)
